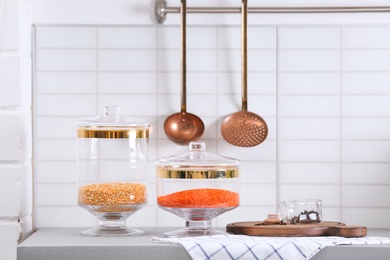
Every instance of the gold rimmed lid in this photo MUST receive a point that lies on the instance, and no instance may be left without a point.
(171, 173)
(101, 132)
(112, 125)
(197, 164)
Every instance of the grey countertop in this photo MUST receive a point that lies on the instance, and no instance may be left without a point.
(67, 243)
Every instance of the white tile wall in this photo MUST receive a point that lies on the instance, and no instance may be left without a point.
(323, 91)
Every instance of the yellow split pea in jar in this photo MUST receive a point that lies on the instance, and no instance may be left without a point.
(112, 168)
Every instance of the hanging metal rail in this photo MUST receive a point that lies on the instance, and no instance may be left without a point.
(161, 10)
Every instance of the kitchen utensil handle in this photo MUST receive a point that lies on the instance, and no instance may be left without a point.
(183, 63)
(348, 231)
(244, 55)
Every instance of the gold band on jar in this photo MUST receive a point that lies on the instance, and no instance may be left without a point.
(197, 174)
(112, 133)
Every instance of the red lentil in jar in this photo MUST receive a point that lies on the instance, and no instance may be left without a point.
(200, 198)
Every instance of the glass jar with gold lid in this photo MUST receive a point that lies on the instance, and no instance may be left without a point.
(112, 163)
(197, 186)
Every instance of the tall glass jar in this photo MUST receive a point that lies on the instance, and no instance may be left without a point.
(197, 186)
(112, 163)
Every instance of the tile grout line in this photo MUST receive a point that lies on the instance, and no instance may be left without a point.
(341, 124)
(217, 31)
(157, 32)
(216, 102)
(97, 70)
(278, 118)
(34, 124)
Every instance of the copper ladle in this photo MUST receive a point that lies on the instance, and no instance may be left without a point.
(183, 128)
(243, 128)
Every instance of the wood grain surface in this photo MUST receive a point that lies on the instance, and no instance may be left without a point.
(325, 228)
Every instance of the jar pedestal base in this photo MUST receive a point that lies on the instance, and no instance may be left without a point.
(195, 229)
(185, 232)
(112, 232)
(112, 227)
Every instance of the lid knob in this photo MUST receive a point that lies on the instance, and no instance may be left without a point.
(112, 111)
(197, 146)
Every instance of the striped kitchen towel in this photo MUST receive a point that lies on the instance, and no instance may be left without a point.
(248, 247)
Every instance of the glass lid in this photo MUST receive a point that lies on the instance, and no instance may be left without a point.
(112, 118)
(197, 157)
(112, 125)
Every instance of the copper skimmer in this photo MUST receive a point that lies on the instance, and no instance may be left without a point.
(244, 128)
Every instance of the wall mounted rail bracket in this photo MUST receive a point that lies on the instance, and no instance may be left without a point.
(161, 10)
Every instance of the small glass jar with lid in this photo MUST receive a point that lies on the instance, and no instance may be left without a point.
(112, 163)
(197, 186)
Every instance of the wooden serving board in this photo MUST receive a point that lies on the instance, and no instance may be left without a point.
(325, 228)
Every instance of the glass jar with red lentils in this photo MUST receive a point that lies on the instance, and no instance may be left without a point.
(197, 186)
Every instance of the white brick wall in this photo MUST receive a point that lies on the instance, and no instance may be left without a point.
(15, 121)
(10, 188)
(10, 232)
(10, 78)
